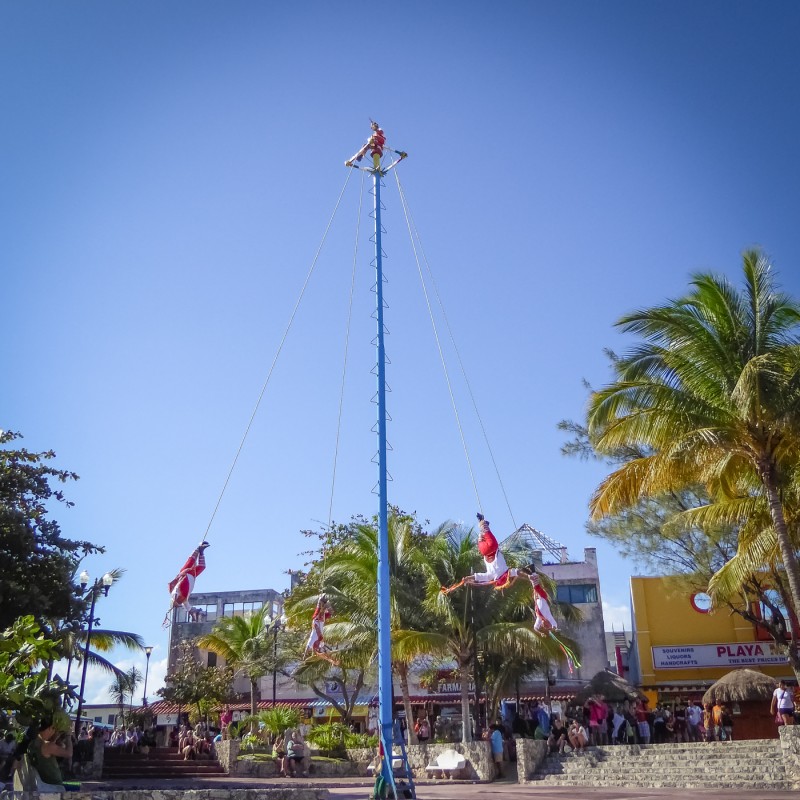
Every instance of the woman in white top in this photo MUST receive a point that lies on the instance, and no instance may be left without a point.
(577, 736)
(783, 703)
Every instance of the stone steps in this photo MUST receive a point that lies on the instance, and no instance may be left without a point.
(161, 763)
(748, 765)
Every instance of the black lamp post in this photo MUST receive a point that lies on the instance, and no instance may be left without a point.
(147, 651)
(278, 625)
(103, 583)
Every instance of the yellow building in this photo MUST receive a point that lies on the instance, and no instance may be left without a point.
(681, 646)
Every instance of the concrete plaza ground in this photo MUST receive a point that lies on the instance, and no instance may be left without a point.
(359, 789)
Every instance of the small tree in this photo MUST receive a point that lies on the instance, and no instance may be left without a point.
(31, 543)
(190, 682)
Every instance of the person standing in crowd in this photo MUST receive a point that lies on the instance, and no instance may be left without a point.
(716, 715)
(708, 722)
(694, 716)
(727, 724)
(782, 706)
(642, 723)
(680, 722)
(423, 730)
(496, 741)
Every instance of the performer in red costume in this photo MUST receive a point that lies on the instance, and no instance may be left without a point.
(499, 575)
(375, 145)
(322, 613)
(180, 587)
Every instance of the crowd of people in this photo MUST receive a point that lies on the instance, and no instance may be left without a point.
(599, 722)
(194, 743)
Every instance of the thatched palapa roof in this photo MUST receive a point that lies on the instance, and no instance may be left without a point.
(613, 687)
(741, 686)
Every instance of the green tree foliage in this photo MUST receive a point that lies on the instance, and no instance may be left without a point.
(189, 683)
(474, 619)
(124, 686)
(26, 687)
(641, 532)
(247, 645)
(31, 543)
(710, 397)
(347, 570)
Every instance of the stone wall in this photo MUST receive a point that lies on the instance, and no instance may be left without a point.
(478, 754)
(790, 747)
(530, 755)
(228, 753)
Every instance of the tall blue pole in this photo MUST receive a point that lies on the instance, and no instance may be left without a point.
(385, 693)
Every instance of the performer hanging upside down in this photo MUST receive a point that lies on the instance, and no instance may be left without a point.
(497, 572)
(180, 588)
(499, 575)
(322, 612)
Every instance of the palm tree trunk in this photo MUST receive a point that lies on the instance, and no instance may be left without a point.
(466, 727)
(788, 555)
(402, 673)
(253, 689)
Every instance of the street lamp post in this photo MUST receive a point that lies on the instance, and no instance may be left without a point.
(103, 583)
(278, 625)
(147, 651)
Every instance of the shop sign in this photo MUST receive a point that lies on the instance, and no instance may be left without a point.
(733, 654)
(166, 719)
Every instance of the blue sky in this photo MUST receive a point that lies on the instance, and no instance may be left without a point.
(169, 170)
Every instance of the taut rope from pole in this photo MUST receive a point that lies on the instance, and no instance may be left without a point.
(344, 371)
(412, 225)
(438, 344)
(277, 354)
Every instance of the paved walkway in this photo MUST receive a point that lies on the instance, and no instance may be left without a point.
(359, 789)
(513, 791)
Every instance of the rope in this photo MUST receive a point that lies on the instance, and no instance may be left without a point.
(439, 344)
(277, 354)
(456, 350)
(344, 370)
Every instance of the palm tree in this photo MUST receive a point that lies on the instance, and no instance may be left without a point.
(246, 645)
(348, 574)
(498, 622)
(72, 637)
(712, 395)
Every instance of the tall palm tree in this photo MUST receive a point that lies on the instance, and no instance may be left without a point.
(498, 622)
(246, 645)
(348, 575)
(712, 393)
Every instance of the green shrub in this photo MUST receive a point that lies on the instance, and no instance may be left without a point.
(355, 740)
(329, 738)
(279, 718)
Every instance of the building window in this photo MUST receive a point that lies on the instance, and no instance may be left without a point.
(110, 719)
(577, 593)
(241, 609)
(198, 613)
(98, 719)
(212, 659)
